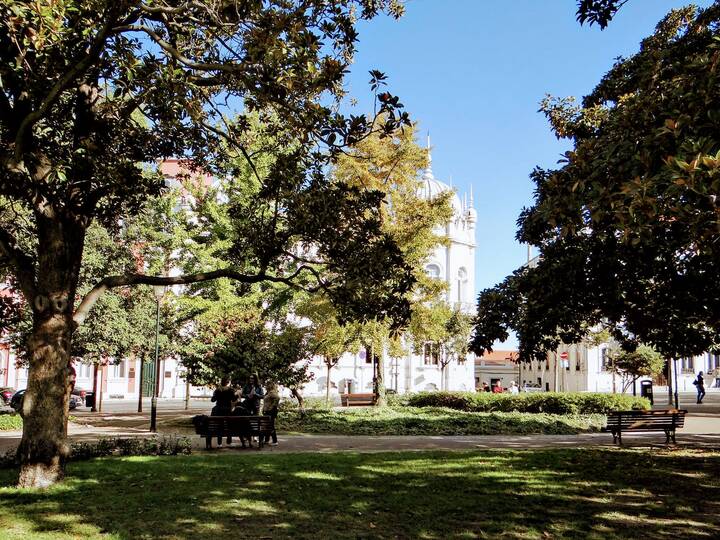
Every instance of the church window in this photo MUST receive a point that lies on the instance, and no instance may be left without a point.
(433, 270)
(461, 282)
(431, 353)
(604, 360)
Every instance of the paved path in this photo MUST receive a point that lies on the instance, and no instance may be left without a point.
(701, 430)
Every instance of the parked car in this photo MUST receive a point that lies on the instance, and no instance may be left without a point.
(6, 394)
(16, 401)
(84, 397)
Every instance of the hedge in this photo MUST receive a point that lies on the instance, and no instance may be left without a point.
(541, 402)
(432, 421)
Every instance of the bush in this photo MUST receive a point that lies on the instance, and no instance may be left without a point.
(398, 400)
(544, 402)
(432, 421)
(167, 445)
(309, 403)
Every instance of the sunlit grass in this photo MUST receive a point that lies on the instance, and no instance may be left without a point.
(10, 422)
(569, 493)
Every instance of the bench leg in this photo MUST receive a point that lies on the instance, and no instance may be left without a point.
(208, 443)
(619, 438)
(673, 436)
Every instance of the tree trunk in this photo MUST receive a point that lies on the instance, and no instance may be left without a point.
(301, 402)
(327, 383)
(44, 448)
(379, 398)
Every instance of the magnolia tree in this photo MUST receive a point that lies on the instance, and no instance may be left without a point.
(627, 227)
(92, 92)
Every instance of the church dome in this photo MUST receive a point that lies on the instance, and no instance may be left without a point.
(430, 188)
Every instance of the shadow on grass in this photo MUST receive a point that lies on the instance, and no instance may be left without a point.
(529, 494)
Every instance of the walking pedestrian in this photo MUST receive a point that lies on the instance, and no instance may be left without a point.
(700, 387)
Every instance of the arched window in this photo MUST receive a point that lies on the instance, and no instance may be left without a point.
(433, 270)
(461, 282)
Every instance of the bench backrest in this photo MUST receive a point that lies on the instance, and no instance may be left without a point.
(347, 399)
(647, 419)
(231, 424)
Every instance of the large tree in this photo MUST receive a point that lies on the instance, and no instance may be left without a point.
(93, 91)
(627, 228)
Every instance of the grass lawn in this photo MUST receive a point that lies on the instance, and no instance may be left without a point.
(569, 493)
(432, 421)
(10, 422)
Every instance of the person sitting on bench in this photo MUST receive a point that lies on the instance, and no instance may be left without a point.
(225, 398)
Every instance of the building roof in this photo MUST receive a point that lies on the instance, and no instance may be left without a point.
(498, 358)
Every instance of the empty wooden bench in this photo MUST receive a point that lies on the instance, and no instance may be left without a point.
(233, 426)
(619, 422)
(349, 400)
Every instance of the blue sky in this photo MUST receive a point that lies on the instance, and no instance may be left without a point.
(473, 72)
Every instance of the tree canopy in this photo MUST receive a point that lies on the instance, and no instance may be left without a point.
(627, 227)
(95, 93)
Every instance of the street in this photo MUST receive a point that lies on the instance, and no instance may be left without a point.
(131, 405)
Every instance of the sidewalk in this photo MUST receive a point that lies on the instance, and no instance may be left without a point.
(701, 430)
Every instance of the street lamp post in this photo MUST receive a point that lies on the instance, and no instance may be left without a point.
(159, 291)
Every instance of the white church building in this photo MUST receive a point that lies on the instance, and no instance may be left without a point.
(453, 263)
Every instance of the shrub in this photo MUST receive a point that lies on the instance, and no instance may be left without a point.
(433, 421)
(544, 402)
(309, 403)
(167, 445)
(398, 400)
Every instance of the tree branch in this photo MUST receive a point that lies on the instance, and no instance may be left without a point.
(70, 75)
(112, 282)
(21, 263)
(174, 53)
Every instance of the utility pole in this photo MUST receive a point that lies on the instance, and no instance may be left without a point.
(677, 404)
(159, 291)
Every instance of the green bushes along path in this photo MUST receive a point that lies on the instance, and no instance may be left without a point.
(432, 421)
(541, 402)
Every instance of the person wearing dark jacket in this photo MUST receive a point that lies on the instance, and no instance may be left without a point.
(270, 408)
(225, 398)
(700, 387)
(252, 395)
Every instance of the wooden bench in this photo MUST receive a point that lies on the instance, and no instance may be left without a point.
(244, 427)
(349, 400)
(667, 421)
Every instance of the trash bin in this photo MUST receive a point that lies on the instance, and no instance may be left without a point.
(646, 390)
(350, 386)
(90, 399)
